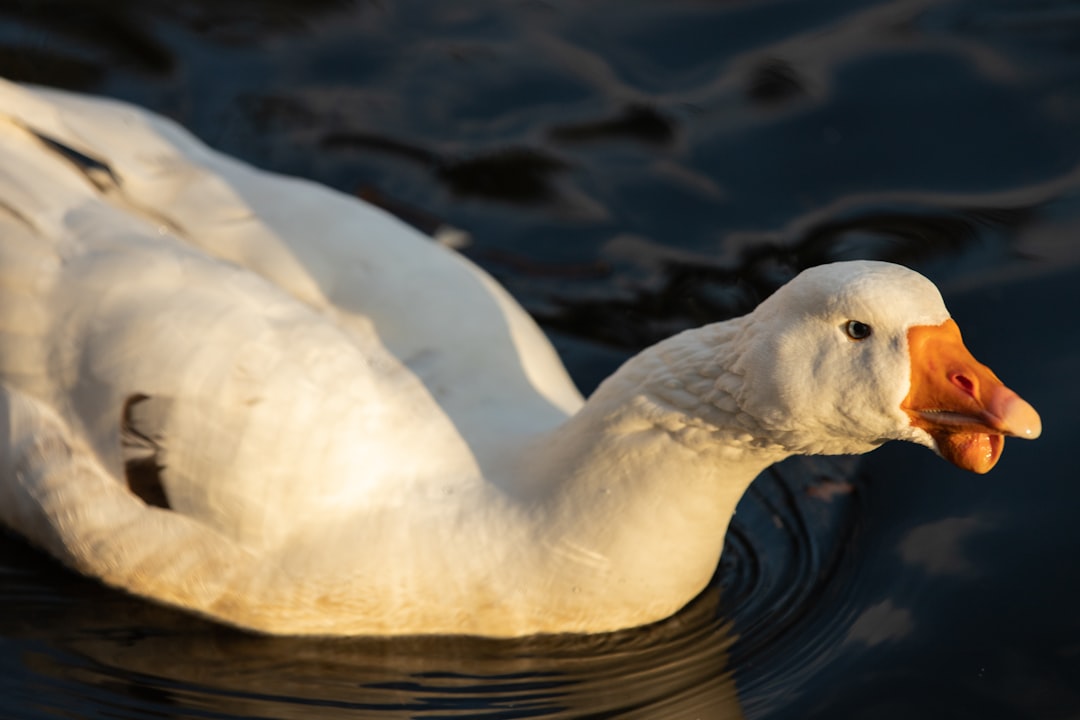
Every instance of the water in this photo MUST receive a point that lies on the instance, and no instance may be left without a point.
(628, 169)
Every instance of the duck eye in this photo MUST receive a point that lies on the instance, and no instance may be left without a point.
(857, 330)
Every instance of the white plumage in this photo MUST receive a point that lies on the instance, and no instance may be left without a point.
(269, 403)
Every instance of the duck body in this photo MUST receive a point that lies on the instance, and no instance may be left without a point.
(260, 400)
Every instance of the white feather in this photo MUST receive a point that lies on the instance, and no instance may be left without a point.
(360, 431)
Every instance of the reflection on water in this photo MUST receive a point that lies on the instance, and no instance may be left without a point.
(628, 170)
(83, 645)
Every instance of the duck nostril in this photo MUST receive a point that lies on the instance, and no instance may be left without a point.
(964, 383)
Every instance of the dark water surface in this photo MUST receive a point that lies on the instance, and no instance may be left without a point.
(629, 169)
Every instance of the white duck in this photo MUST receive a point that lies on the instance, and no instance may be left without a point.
(269, 403)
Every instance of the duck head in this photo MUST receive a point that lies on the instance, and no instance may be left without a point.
(849, 355)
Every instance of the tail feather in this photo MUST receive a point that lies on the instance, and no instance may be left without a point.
(63, 501)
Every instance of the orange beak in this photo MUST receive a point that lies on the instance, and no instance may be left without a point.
(960, 401)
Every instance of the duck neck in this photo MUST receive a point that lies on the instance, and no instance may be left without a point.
(645, 478)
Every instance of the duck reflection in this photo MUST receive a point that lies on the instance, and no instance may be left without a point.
(105, 648)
